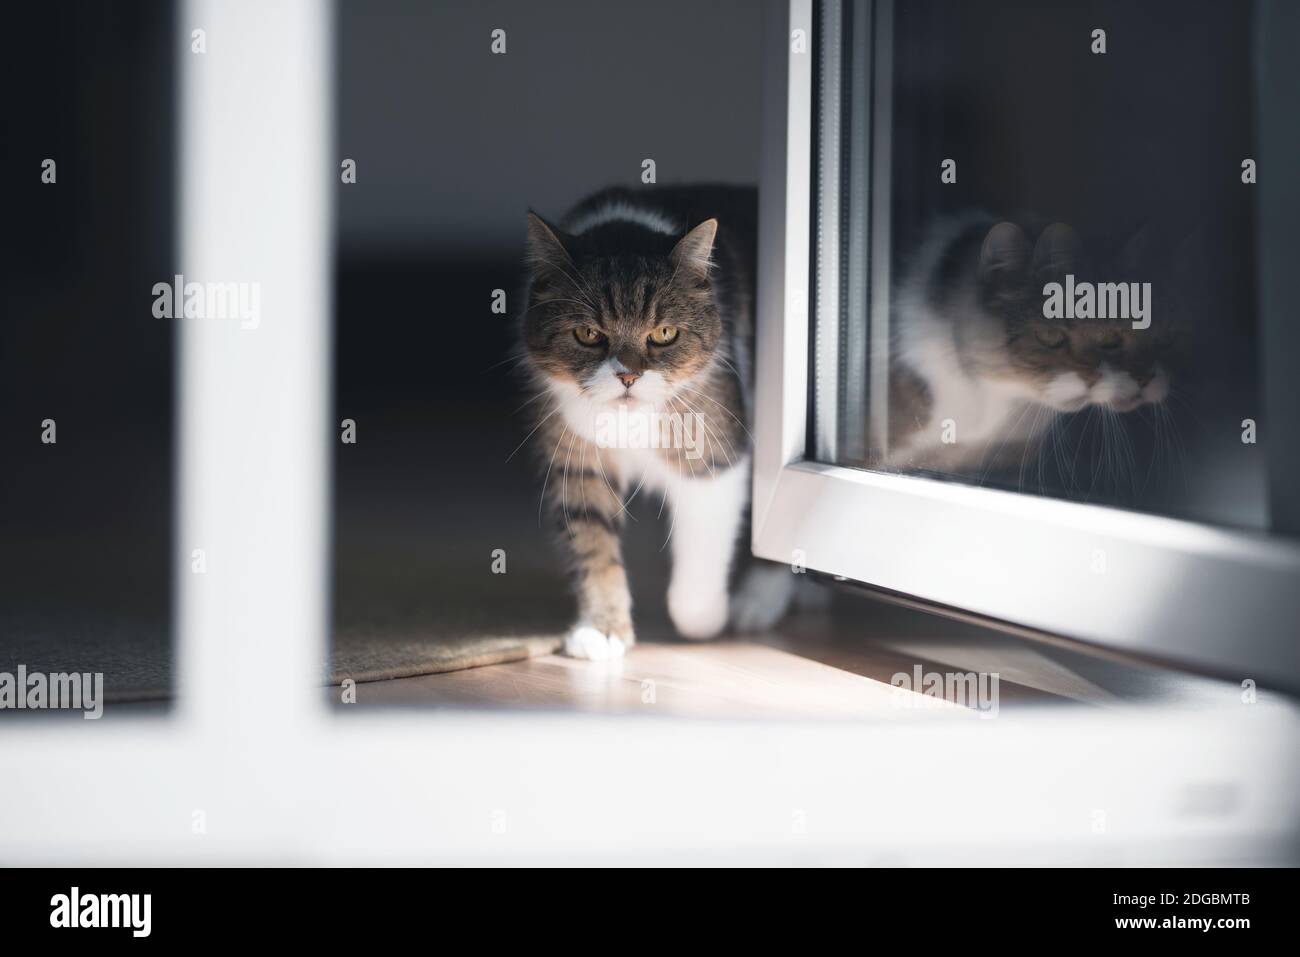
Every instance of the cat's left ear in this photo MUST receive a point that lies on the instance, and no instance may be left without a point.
(694, 251)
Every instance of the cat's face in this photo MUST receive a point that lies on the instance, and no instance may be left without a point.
(620, 316)
(1064, 364)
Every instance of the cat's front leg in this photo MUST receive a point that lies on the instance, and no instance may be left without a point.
(707, 516)
(587, 513)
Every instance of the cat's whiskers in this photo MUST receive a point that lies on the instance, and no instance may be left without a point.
(672, 517)
(1130, 455)
(564, 486)
(542, 394)
(710, 398)
(727, 362)
(1049, 436)
(600, 465)
(514, 357)
(724, 446)
(630, 498)
(991, 456)
(596, 408)
(591, 409)
(663, 500)
(1125, 459)
(1101, 465)
(697, 392)
(717, 441)
(1059, 433)
(1087, 414)
(582, 469)
(1101, 462)
(532, 431)
(714, 438)
(541, 499)
(1030, 443)
(678, 407)
(1098, 447)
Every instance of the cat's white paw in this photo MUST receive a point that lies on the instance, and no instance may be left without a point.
(584, 641)
(697, 612)
(762, 598)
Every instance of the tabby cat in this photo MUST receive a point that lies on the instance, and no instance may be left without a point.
(638, 337)
(978, 373)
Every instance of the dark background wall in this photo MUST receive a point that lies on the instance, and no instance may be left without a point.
(453, 143)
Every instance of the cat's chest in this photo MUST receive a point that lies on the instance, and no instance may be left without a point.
(630, 446)
(649, 469)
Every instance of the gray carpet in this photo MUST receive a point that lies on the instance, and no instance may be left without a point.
(395, 619)
(423, 620)
(136, 661)
(413, 587)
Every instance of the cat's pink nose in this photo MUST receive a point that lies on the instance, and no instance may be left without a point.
(627, 378)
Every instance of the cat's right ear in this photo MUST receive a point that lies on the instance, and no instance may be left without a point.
(1058, 251)
(1005, 252)
(545, 249)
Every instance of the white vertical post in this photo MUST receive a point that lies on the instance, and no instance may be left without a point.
(255, 210)
(781, 362)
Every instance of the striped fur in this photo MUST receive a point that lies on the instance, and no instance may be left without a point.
(625, 263)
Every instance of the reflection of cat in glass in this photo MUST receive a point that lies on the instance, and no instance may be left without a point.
(978, 374)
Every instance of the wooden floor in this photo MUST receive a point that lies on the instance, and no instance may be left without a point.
(824, 665)
(716, 679)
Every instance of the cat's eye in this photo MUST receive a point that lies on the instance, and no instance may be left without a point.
(1050, 337)
(664, 335)
(589, 335)
(1111, 340)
